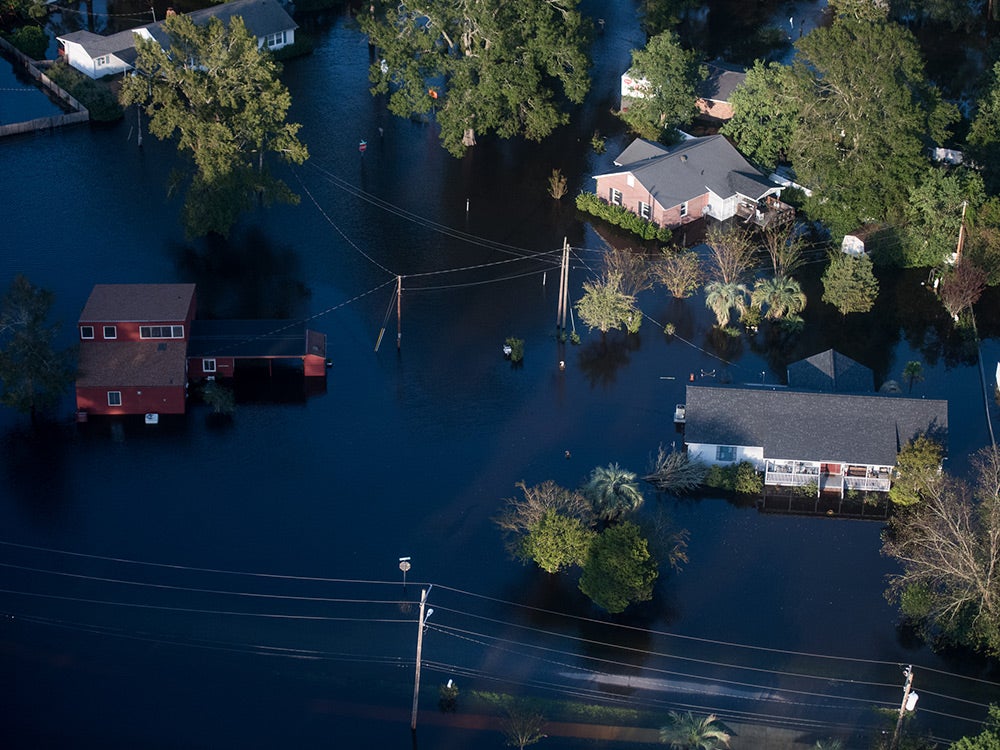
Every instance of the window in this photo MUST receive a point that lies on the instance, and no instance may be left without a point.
(208, 365)
(630, 180)
(114, 398)
(86, 332)
(644, 210)
(102, 61)
(725, 453)
(684, 209)
(110, 332)
(161, 332)
(615, 197)
(275, 40)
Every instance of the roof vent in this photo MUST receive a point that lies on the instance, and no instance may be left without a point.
(684, 157)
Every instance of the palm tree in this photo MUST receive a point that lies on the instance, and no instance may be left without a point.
(613, 491)
(721, 297)
(782, 295)
(689, 732)
(913, 372)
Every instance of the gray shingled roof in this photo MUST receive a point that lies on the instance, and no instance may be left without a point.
(96, 45)
(809, 426)
(722, 80)
(109, 364)
(679, 173)
(251, 338)
(138, 303)
(831, 371)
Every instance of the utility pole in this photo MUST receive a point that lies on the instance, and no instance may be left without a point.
(909, 701)
(399, 312)
(420, 645)
(565, 302)
(961, 234)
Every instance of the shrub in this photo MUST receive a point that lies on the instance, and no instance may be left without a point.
(96, 96)
(516, 349)
(221, 399)
(748, 480)
(31, 40)
(620, 217)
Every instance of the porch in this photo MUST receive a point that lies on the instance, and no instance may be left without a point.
(764, 211)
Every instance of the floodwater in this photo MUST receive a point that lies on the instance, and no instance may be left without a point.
(20, 98)
(192, 584)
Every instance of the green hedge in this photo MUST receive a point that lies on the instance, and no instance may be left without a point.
(620, 217)
(742, 478)
(96, 96)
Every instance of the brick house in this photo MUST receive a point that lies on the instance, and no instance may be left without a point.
(672, 186)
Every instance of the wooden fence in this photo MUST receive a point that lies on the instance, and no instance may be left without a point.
(79, 113)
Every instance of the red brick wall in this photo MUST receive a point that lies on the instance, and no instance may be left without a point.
(631, 196)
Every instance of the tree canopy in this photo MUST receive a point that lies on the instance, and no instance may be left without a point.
(33, 373)
(502, 66)
(220, 95)
(765, 113)
(605, 306)
(620, 569)
(849, 283)
(667, 75)
(867, 114)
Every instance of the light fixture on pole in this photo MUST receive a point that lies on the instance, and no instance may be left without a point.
(908, 704)
(404, 565)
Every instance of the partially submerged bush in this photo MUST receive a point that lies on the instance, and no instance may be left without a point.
(741, 477)
(96, 96)
(620, 217)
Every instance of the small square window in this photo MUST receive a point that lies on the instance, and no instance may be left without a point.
(684, 209)
(177, 332)
(208, 365)
(725, 453)
(86, 332)
(110, 332)
(114, 398)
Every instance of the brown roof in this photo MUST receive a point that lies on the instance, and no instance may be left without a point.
(132, 363)
(138, 303)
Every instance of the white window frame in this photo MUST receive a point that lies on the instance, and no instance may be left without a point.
(171, 331)
(615, 197)
(645, 211)
(208, 365)
(684, 209)
(83, 332)
(101, 61)
(277, 39)
(114, 332)
(114, 398)
(725, 453)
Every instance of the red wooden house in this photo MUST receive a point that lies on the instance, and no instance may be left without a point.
(140, 346)
(133, 349)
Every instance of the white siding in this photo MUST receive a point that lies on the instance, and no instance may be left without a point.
(707, 452)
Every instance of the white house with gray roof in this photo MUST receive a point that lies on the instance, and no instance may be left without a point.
(838, 441)
(671, 186)
(95, 55)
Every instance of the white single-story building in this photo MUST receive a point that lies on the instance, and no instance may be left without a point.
(96, 56)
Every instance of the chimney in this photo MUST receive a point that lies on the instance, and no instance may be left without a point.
(171, 12)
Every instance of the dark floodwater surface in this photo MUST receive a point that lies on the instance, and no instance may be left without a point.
(144, 637)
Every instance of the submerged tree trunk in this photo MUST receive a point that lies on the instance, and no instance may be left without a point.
(469, 138)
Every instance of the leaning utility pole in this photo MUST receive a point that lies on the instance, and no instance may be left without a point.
(909, 701)
(563, 288)
(420, 645)
(399, 312)
(961, 235)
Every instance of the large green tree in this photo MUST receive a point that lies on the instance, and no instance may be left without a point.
(556, 542)
(620, 569)
(666, 74)
(867, 115)
(220, 95)
(934, 213)
(33, 373)
(605, 306)
(782, 296)
(988, 739)
(503, 66)
(613, 491)
(765, 114)
(984, 132)
(849, 283)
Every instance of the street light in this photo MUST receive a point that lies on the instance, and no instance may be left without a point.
(404, 565)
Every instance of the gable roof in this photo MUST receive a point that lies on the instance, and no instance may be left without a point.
(722, 80)
(831, 371)
(118, 364)
(809, 426)
(138, 303)
(691, 168)
(262, 17)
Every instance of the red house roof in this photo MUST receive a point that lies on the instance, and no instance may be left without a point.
(138, 303)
